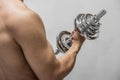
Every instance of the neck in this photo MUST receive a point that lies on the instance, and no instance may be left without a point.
(6, 3)
(11, 0)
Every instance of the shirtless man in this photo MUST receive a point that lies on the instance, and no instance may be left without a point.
(25, 53)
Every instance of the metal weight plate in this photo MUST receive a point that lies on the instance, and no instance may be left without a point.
(63, 41)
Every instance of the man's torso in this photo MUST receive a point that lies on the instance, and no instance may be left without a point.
(13, 65)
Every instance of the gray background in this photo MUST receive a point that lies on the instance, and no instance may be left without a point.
(98, 59)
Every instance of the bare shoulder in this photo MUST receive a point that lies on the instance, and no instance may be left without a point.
(26, 19)
(22, 17)
(26, 25)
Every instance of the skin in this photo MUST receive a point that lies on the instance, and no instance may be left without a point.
(25, 53)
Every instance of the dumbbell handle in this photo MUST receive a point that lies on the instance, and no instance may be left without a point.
(100, 14)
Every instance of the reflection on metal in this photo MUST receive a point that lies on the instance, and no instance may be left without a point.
(86, 24)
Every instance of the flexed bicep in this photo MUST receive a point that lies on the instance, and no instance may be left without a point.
(29, 33)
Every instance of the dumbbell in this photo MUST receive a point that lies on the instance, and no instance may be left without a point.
(87, 25)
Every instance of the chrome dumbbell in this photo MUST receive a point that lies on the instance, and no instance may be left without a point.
(86, 24)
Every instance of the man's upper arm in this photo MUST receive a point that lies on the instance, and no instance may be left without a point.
(29, 33)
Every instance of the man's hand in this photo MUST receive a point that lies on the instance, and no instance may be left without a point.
(77, 40)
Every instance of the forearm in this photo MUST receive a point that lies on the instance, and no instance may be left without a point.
(67, 63)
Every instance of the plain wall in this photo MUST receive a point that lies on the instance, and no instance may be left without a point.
(98, 59)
